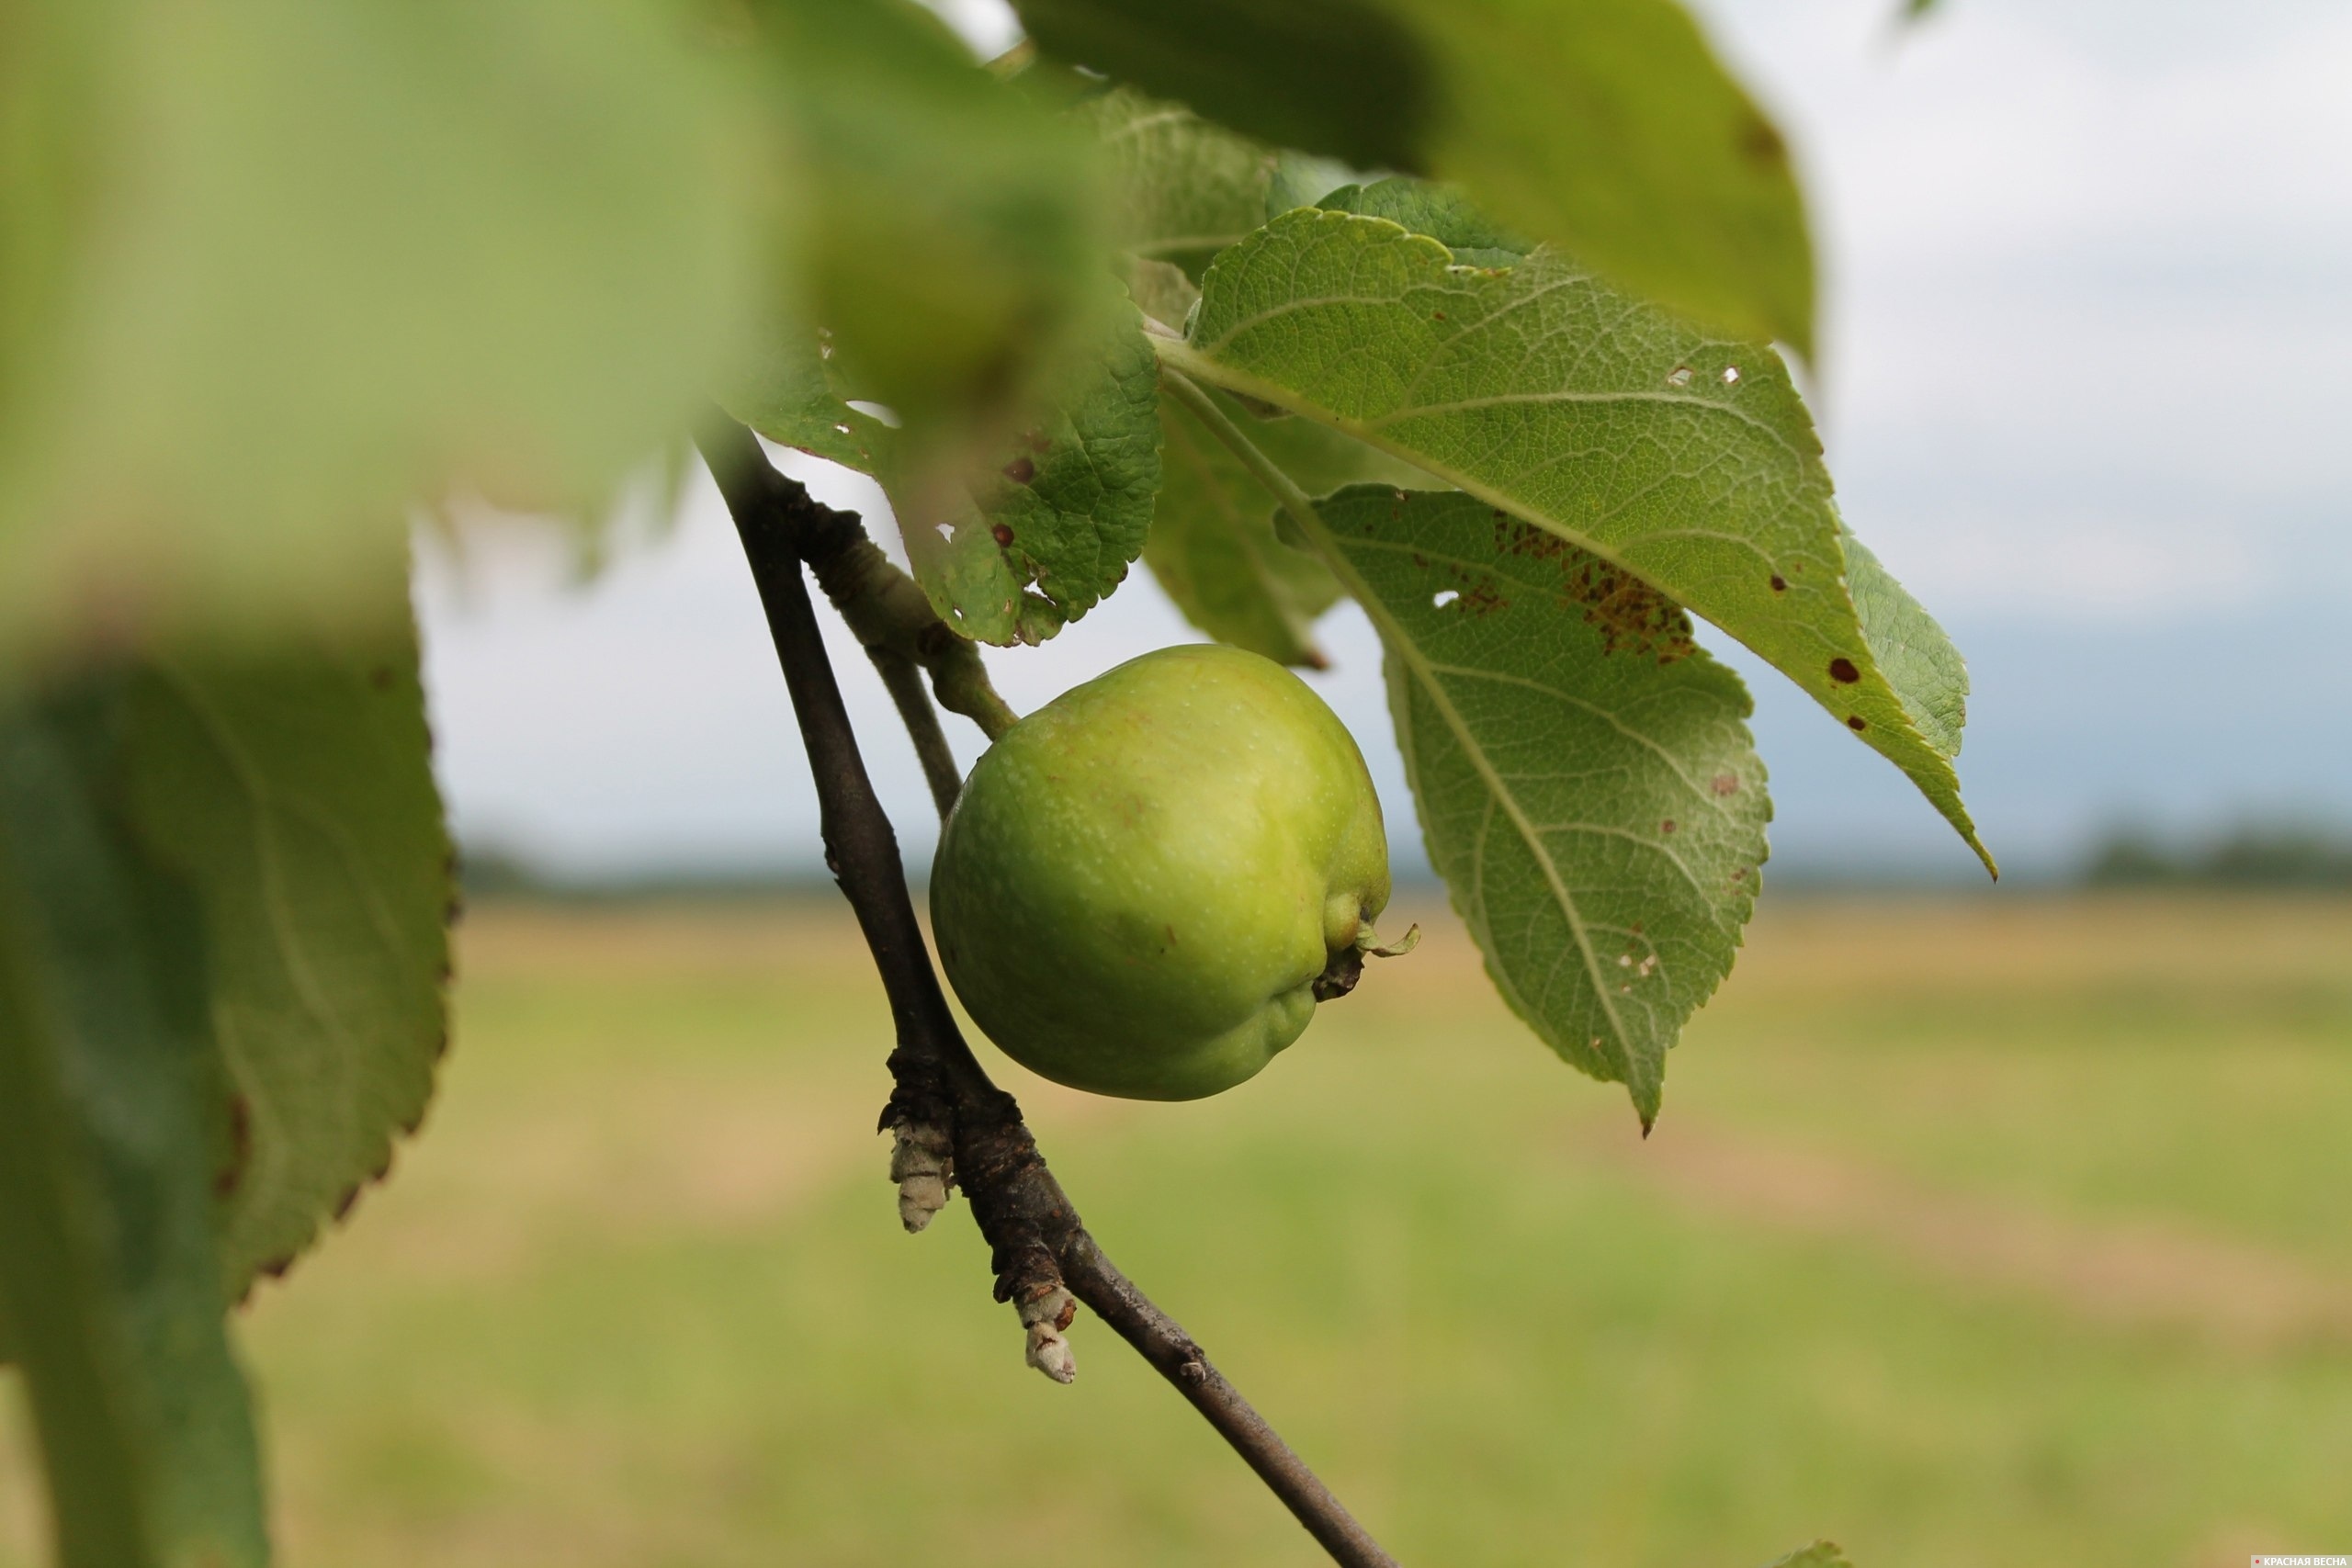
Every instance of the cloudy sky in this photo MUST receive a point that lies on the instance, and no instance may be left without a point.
(2088, 341)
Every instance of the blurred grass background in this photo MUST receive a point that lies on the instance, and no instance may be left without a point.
(1977, 1231)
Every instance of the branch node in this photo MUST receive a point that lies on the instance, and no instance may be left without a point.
(922, 1162)
(1047, 1317)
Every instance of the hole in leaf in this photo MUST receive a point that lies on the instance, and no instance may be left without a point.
(1443, 597)
(1731, 374)
(947, 530)
(1678, 376)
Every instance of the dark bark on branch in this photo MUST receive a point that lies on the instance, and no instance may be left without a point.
(891, 617)
(1037, 1243)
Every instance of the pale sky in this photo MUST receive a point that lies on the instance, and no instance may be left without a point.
(2088, 323)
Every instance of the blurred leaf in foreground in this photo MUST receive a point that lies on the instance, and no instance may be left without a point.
(107, 1262)
(953, 236)
(275, 271)
(293, 794)
(1607, 127)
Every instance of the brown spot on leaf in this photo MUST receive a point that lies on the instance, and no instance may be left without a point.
(1842, 671)
(1020, 470)
(1760, 143)
(1857, 723)
(1483, 598)
(1666, 825)
(1632, 616)
(1036, 440)
(1001, 535)
(342, 1204)
(1779, 583)
(276, 1268)
(240, 1147)
(381, 677)
(1724, 784)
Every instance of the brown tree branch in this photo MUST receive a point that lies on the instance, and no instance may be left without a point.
(888, 612)
(1038, 1245)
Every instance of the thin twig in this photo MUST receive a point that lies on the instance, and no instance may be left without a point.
(1037, 1243)
(903, 679)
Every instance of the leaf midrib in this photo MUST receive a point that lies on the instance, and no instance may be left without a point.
(1409, 653)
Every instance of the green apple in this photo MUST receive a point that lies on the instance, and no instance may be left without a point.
(1148, 882)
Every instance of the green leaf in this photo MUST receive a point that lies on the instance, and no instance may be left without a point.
(1345, 77)
(1610, 128)
(1688, 460)
(1585, 779)
(1607, 127)
(275, 271)
(107, 1263)
(1040, 532)
(953, 249)
(1916, 657)
(1055, 529)
(1441, 212)
(785, 394)
(1820, 1554)
(294, 794)
(1213, 546)
(1302, 180)
(1184, 187)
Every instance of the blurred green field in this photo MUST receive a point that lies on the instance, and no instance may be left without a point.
(1984, 1232)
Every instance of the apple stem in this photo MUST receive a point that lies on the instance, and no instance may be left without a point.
(1038, 1245)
